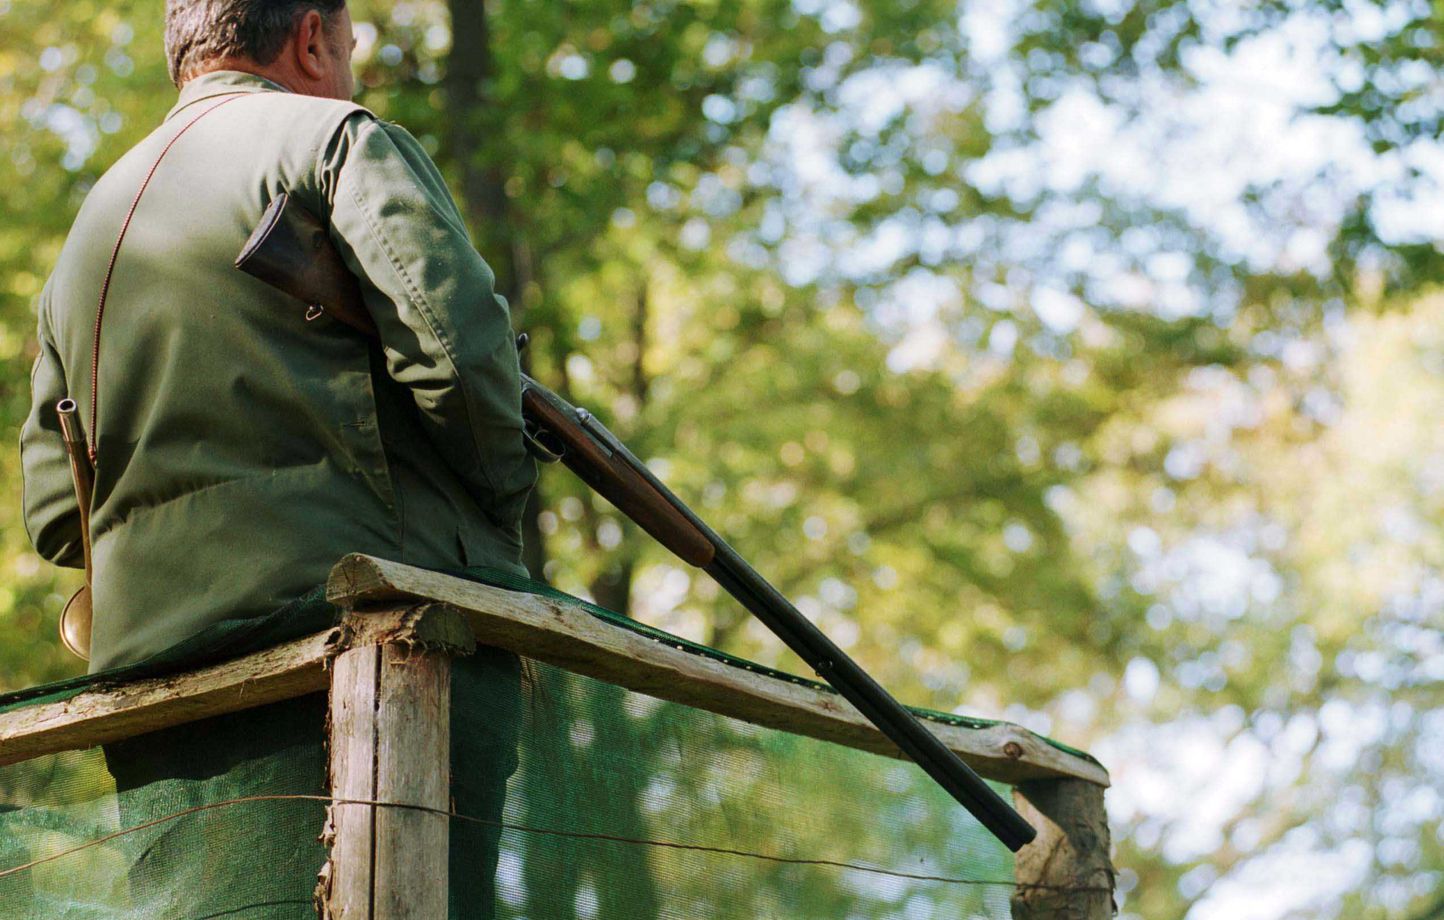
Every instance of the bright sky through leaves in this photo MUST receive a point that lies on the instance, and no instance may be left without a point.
(1077, 362)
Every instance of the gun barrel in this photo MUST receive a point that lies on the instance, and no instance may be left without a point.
(878, 706)
(833, 665)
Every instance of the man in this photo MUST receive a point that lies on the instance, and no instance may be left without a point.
(239, 448)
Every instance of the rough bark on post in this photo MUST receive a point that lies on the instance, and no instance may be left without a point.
(1064, 874)
(390, 737)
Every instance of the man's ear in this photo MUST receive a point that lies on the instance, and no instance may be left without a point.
(311, 45)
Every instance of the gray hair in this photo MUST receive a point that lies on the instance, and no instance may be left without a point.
(200, 31)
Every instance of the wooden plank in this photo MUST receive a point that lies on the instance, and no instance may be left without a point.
(346, 881)
(565, 635)
(1065, 873)
(110, 714)
(551, 631)
(390, 741)
(413, 766)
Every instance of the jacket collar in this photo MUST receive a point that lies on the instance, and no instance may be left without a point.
(222, 83)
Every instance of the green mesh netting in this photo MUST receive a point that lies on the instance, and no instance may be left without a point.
(601, 760)
(575, 800)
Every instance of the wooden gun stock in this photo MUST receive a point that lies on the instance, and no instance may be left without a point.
(611, 475)
(291, 250)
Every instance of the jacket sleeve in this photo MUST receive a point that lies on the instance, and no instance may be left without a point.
(445, 333)
(52, 518)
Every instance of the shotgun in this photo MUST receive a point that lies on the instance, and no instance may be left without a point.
(291, 250)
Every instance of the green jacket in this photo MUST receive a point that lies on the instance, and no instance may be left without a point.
(241, 449)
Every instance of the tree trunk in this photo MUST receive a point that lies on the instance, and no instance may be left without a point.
(638, 898)
(551, 866)
(612, 589)
(473, 119)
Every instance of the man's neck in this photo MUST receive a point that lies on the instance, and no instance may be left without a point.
(246, 65)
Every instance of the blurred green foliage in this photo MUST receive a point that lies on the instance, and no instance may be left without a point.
(1058, 449)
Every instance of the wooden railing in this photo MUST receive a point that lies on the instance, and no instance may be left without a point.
(387, 667)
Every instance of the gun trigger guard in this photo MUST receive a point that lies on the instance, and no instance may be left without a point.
(314, 312)
(535, 439)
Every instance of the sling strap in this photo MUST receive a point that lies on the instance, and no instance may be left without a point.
(92, 436)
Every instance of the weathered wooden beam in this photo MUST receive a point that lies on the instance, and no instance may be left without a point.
(107, 714)
(556, 632)
(349, 832)
(390, 741)
(1066, 872)
(563, 634)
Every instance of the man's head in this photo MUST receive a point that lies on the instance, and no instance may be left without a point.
(305, 45)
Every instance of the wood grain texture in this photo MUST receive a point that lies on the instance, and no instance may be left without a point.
(567, 636)
(108, 714)
(1065, 873)
(346, 882)
(413, 766)
(390, 741)
(555, 632)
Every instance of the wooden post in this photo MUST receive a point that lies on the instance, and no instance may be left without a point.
(1066, 873)
(390, 737)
